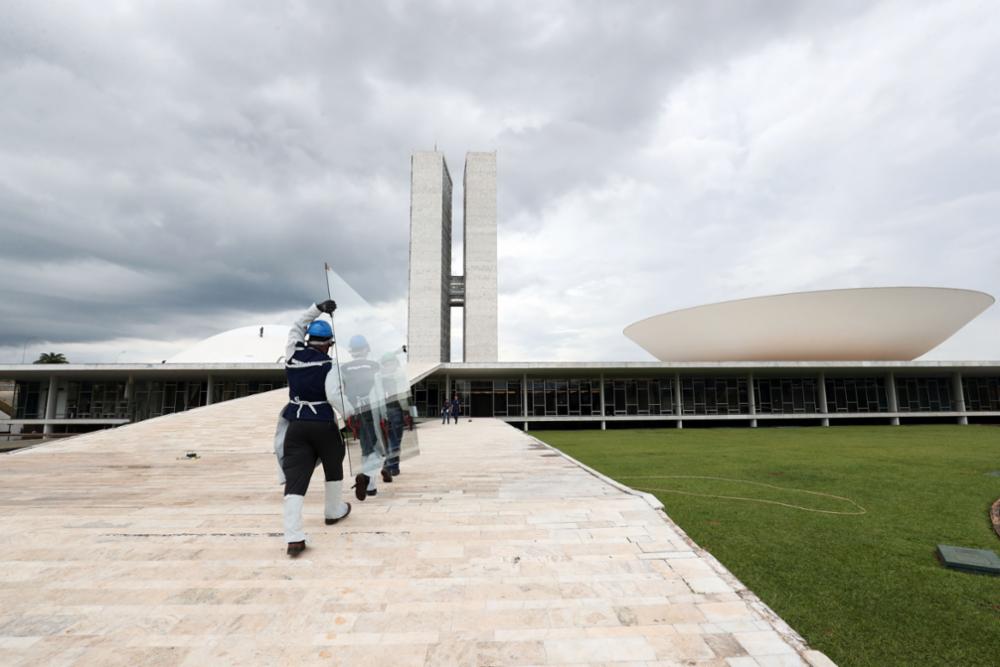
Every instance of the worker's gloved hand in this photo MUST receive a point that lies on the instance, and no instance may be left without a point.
(327, 306)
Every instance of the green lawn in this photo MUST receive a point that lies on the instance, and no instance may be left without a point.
(866, 589)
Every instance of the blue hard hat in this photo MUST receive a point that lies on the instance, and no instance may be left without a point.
(358, 342)
(320, 329)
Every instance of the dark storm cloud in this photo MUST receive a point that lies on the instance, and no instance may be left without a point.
(170, 170)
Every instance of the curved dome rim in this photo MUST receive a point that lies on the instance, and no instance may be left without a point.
(714, 304)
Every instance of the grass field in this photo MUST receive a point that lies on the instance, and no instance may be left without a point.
(864, 588)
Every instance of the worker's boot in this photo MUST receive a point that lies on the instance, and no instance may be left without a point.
(294, 535)
(360, 486)
(335, 509)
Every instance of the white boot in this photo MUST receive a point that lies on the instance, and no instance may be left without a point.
(293, 518)
(373, 468)
(334, 508)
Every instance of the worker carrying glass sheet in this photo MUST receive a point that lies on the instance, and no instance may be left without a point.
(376, 389)
(308, 427)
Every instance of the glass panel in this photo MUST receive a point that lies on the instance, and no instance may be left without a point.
(982, 394)
(785, 395)
(499, 398)
(927, 394)
(374, 388)
(715, 396)
(514, 398)
(853, 395)
(480, 403)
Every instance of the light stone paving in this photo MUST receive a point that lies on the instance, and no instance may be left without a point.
(489, 549)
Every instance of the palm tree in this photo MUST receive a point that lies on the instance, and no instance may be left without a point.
(52, 358)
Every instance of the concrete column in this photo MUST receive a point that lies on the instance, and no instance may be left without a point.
(958, 402)
(752, 399)
(209, 390)
(524, 398)
(678, 403)
(891, 393)
(129, 392)
(603, 413)
(447, 387)
(50, 403)
(821, 398)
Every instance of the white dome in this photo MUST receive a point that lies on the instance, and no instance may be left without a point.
(258, 344)
(875, 323)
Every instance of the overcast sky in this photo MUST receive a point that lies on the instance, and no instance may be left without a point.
(172, 170)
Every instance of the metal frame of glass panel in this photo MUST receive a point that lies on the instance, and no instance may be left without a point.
(856, 394)
(27, 403)
(924, 394)
(783, 396)
(637, 396)
(715, 396)
(982, 394)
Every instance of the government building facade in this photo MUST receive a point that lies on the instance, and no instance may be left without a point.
(811, 358)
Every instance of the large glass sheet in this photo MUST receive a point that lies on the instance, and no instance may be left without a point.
(375, 388)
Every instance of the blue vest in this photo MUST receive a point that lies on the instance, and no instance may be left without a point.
(306, 372)
(359, 380)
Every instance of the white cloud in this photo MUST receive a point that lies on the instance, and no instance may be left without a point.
(172, 171)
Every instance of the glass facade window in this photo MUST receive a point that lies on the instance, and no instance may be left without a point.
(102, 399)
(428, 396)
(783, 396)
(638, 396)
(479, 398)
(856, 395)
(507, 398)
(927, 394)
(715, 396)
(982, 394)
(26, 400)
(97, 400)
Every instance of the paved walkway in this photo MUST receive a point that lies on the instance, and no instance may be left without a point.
(490, 549)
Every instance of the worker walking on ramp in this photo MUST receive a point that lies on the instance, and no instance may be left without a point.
(309, 421)
(365, 402)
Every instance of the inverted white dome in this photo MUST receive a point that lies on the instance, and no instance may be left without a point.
(261, 344)
(873, 324)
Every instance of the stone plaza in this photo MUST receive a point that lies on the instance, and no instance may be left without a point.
(490, 549)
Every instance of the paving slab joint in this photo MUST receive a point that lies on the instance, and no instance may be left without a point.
(649, 498)
(748, 596)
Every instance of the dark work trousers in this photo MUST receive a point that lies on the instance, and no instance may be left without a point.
(394, 423)
(366, 433)
(305, 443)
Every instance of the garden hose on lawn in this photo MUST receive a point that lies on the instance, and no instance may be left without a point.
(861, 509)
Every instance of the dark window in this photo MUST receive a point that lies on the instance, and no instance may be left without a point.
(982, 394)
(715, 396)
(856, 395)
(928, 394)
(785, 395)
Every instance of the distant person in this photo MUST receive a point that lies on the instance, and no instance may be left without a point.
(445, 413)
(308, 430)
(456, 408)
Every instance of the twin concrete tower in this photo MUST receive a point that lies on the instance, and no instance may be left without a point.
(433, 289)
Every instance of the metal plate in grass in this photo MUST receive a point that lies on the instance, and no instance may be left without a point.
(970, 560)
